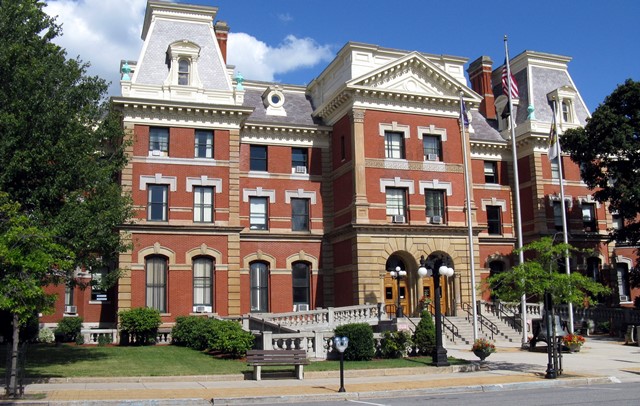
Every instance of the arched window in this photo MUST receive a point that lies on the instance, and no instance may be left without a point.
(156, 282)
(566, 112)
(183, 72)
(300, 280)
(203, 283)
(259, 276)
(593, 268)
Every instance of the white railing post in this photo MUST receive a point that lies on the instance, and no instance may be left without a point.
(267, 340)
(331, 317)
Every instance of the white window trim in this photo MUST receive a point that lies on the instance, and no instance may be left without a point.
(494, 202)
(158, 179)
(394, 127)
(204, 180)
(259, 192)
(397, 183)
(432, 130)
(299, 194)
(435, 184)
(568, 200)
(588, 199)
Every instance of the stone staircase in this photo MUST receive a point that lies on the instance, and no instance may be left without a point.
(504, 335)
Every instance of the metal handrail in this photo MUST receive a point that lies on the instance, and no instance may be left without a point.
(446, 323)
(484, 322)
(511, 318)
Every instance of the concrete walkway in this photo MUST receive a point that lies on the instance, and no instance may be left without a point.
(601, 360)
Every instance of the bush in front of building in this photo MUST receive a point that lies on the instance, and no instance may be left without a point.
(201, 333)
(424, 337)
(68, 329)
(194, 332)
(46, 336)
(229, 338)
(361, 345)
(139, 326)
(395, 344)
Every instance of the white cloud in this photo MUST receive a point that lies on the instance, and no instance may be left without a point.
(286, 17)
(257, 60)
(101, 33)
(104, 32)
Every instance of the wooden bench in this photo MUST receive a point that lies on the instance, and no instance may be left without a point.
(259, 358)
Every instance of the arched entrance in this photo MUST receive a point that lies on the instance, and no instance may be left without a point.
(411, 289)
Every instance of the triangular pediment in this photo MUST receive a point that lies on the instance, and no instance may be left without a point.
(413, 74)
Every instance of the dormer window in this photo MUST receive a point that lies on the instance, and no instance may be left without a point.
(562, 100)
(183, 72)
(273, 100)
(183, 64)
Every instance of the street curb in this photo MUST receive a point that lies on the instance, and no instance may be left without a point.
(415, 392)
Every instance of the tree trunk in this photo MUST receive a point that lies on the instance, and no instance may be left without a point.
(12, 385)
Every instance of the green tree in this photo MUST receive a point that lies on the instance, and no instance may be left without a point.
(61, 149)
(607, 151)
(30, 259)
(539, 274)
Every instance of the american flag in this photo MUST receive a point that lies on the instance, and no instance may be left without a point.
(505, 85)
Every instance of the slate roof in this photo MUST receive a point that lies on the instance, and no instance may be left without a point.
(154, 67)
(484, 130)
(297, 106)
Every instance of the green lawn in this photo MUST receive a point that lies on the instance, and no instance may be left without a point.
(48, 361)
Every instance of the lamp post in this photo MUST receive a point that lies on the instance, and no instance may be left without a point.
(439, 355)
(398, 274)
(341, 344)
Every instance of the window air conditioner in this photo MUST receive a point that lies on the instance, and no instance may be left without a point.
(433, 157)
(156, 152)
(303, 307)
(624, 298)
(436, 220)
(71, 309)
(200, 309)
(398, 219)
(301, 169)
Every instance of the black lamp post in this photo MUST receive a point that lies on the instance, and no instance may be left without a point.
(439, 355)
(398, 274)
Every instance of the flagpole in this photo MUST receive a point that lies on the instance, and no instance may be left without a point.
(565, 234)
(467, 188)
(523, 299)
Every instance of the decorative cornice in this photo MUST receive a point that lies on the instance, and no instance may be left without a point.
(427, 166)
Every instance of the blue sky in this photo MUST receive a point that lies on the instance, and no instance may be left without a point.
(291, 41)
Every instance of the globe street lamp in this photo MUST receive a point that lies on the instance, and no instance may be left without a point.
(398, 274)
(439, 355)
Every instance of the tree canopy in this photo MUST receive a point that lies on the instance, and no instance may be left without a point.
(539, 274)
(608, 152)
(61, 147)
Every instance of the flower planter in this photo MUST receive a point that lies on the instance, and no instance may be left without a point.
(481, 354)
(574, 347)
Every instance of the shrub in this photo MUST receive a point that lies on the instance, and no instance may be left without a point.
(104, 339)
(140, 325)
(230, 338)
(45, 335)
(424, 337)
(68, 329)
(395, 344)
(201, 333)
(193, 331)
(361, 345)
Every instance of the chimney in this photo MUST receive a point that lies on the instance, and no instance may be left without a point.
(222, 33)
(480, 76)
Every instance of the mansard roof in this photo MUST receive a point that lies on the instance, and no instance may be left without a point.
(538, 74)
(164, 26)
(297, 106)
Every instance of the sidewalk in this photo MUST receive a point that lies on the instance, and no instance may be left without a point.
(600, 361)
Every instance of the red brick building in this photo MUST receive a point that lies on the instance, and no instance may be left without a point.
(263, 197)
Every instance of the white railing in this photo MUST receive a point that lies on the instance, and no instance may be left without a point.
(322, 318)
(98, 335)
(318, 345)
